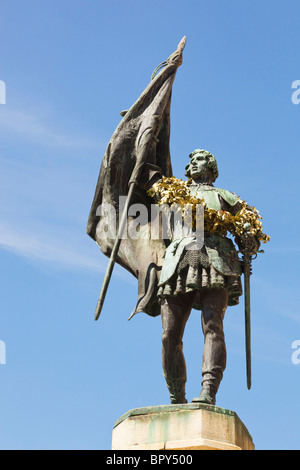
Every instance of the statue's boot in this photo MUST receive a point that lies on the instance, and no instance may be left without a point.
(177, 392)
(207, 396)
(211, 379)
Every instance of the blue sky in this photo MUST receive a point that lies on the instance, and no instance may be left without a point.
(70, 67)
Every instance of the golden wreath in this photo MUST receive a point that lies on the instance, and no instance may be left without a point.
(172, 190)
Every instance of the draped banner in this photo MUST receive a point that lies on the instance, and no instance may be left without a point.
(138, 151)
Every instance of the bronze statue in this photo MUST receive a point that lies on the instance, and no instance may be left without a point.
(174, 274)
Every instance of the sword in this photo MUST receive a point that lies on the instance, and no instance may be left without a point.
(247, 258)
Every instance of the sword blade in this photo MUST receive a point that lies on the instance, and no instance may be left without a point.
(247, 272)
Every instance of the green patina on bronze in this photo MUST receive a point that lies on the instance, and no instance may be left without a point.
(171, 281)
(160, 409)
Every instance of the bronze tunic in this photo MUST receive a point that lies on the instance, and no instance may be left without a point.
(215, 265)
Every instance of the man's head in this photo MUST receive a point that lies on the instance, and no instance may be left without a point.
(202, 166)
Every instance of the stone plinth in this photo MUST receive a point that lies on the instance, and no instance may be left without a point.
(194, 426)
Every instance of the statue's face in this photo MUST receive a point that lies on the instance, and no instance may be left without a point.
(199, 164)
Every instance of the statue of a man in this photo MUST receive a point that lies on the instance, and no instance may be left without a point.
(206, 279)
(174, 276)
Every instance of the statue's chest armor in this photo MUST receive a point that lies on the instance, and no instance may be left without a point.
(209, 194)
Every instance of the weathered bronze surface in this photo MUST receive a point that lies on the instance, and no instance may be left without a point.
(174, 275)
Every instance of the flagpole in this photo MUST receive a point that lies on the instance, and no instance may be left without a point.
(114, 252)
(146, 134)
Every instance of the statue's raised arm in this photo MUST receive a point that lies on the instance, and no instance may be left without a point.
(137, 154)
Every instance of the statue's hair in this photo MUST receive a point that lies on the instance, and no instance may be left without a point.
(212, 163)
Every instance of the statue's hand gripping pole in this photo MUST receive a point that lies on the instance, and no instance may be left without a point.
(146, 136)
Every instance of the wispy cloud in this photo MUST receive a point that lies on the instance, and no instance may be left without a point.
(44, 195)
(41, 198)
(35, 128)
(48, 250)
(65, 252)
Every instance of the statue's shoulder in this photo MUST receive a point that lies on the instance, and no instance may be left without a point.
(228, 196)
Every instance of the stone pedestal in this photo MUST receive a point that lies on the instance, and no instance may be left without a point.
(194, 426)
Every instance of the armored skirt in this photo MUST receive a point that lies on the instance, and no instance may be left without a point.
(196, 269)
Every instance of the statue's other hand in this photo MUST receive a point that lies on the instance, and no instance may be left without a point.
(249, 243)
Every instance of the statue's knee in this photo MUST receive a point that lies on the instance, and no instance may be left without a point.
(213, 327)
(171, 341)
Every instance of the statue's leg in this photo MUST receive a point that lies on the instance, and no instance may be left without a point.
(175, 312)
(214, 304)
